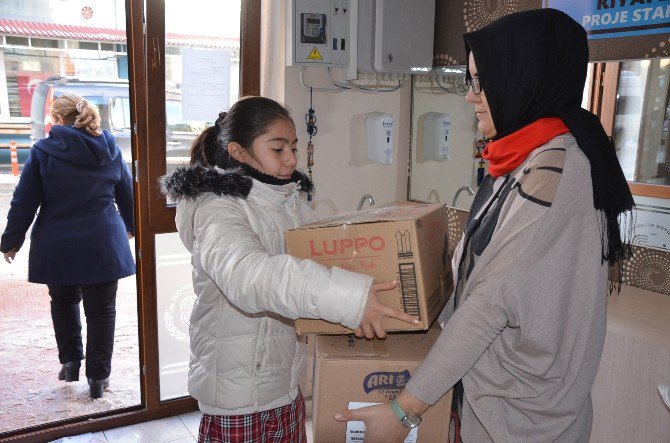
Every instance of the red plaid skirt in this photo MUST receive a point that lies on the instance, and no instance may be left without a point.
(285, 424)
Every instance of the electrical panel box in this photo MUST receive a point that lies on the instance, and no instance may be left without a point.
(318, 33)
(395, 36)
(379, 135)
(436, 128)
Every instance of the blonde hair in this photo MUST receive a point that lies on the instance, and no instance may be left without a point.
(77, 111)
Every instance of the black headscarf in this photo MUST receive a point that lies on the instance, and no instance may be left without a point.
(533, 64)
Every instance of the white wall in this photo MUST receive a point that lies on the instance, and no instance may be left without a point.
(342, 173)
(438, 181)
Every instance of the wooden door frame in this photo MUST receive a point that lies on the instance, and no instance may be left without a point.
(160, 216)
(144, 66)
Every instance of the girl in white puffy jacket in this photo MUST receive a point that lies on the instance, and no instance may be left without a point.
(234, 202)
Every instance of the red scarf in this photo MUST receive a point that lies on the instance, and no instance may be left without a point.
(506, 154)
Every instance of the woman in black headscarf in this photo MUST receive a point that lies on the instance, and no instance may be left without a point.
(526, 325)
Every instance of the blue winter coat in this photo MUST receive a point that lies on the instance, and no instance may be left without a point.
(77, 181)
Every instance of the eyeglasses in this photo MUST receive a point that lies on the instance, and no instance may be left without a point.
(473, 84)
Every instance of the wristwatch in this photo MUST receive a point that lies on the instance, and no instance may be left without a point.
(409, 421)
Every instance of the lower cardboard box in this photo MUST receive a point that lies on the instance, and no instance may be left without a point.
(349, 370)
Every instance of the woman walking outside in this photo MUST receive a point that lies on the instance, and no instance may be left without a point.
(78, 180)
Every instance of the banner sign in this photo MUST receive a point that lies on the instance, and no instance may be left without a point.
(617, 18)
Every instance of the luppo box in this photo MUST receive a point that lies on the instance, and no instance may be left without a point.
(405, 242)
(350, 371)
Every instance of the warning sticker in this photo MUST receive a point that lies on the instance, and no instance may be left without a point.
(314, 55)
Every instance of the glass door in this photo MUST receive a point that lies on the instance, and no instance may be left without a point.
(46, 52)
(197, 57)
(151, 116)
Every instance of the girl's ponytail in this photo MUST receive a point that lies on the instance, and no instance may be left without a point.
(203, 148)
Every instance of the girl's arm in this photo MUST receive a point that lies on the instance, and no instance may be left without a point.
(256, 281)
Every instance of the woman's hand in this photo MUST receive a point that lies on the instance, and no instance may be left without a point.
(9, 255)
(381, 424)
(371, 323)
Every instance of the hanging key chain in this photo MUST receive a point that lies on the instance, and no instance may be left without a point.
(310, 157)
(312, 129)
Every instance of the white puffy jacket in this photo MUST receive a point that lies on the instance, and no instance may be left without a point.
(245, 356)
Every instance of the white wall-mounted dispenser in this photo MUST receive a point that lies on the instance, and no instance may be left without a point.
(379, 137)
(436, 128)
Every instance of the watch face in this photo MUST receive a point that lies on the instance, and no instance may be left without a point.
(411, 421)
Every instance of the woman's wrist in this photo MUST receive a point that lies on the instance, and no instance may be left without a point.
(410, 404)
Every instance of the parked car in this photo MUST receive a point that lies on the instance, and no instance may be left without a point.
(113, 103)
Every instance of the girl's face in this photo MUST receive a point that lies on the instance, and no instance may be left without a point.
(274, 153)
(485, 125)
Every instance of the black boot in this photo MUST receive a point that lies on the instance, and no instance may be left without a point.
(97, 387)
(69, 371)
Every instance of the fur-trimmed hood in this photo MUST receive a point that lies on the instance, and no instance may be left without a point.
(189, 183)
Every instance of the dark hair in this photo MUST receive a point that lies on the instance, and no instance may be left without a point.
(246, 120)
(204, 147)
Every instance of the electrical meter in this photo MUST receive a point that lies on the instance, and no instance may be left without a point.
(318, 32)
(313, 28)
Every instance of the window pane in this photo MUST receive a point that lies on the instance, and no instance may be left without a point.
(50, 49)
(17, 41)
(41, 43)
(175, 301)
(642, 121)
(120, 113)
(201, 69)
(201, 79)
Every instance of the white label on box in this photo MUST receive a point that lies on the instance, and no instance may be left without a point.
(356, 429)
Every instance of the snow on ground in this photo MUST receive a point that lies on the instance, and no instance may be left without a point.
(32, 393)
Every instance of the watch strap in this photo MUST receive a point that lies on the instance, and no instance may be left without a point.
(397, 410)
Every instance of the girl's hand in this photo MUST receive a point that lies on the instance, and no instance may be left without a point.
(9, 255)
(371, 323)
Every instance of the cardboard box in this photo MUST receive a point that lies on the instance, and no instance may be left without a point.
(307, 382)
(371, 371)
(406, 242)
